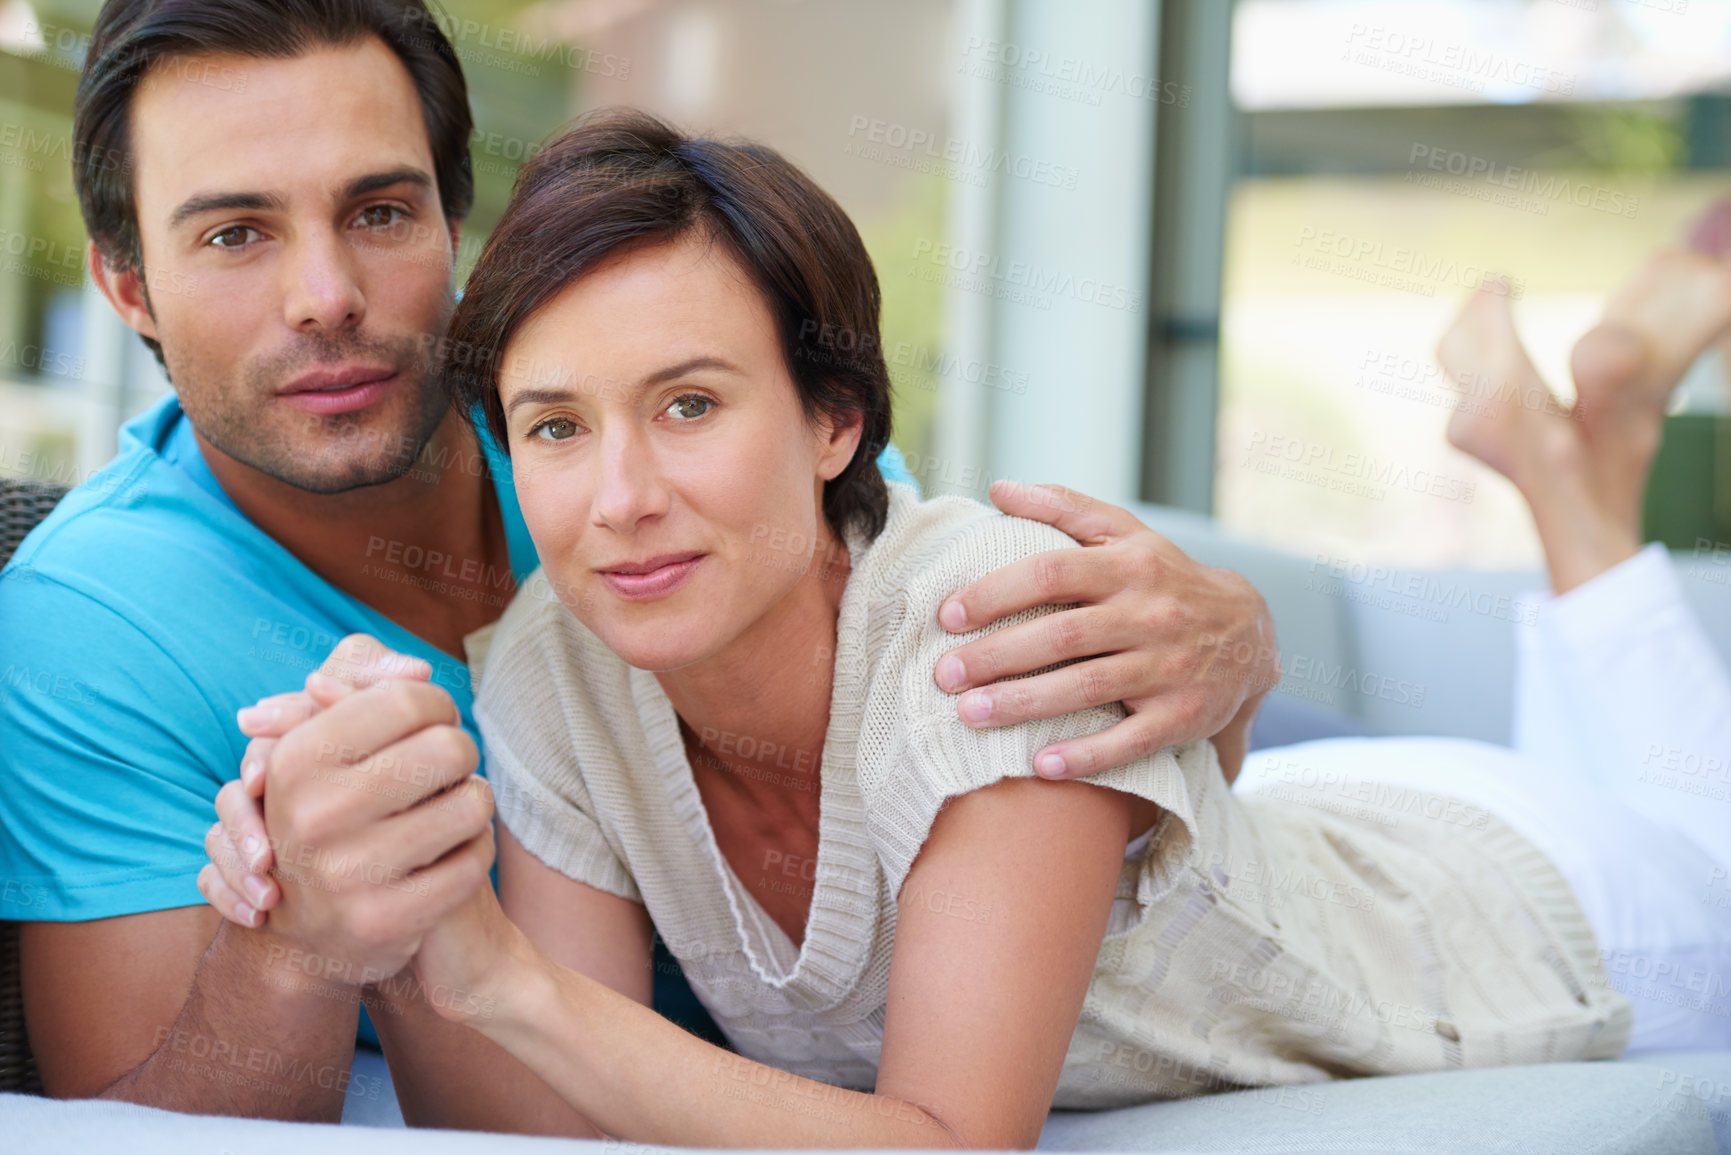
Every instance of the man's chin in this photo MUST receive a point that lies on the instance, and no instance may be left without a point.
(355, 476)
(332, 455)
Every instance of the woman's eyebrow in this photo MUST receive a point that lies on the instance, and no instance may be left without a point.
(538, 397)
(670, 373)
(689, 366)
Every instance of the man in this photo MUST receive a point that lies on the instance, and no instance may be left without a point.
(282, 232)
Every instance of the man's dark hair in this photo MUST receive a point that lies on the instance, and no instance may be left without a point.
(620, 180)
(133, 36)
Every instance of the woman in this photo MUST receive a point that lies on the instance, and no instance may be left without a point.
(714, 715)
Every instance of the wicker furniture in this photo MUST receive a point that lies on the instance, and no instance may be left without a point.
(22, 505)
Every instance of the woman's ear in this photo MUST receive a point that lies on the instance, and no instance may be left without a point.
(841, 442)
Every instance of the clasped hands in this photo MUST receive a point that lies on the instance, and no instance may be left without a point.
(371, 847)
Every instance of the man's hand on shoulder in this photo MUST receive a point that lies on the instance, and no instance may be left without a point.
(1189, 649)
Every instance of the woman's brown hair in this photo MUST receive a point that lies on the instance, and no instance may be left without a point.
(622, 179)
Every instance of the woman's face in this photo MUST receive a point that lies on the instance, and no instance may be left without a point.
(667, 473)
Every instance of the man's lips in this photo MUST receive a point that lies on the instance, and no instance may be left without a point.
(329, 391)
(652, 578)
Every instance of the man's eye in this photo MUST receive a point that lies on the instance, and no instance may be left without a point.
(233, 237)
(690, 407)
(555, 429)
(379, 216)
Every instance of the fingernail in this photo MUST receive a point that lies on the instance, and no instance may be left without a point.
(257, 715)
(951, 673)
(251, 845)
(952, 616)
(325, 684)
(256, 889)
(1049, 765)
(248, 916)
(976, 707)
(251, 769)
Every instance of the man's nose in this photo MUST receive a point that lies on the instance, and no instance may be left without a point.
(322, 289)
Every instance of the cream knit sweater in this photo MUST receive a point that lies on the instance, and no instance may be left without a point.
(1253, 941)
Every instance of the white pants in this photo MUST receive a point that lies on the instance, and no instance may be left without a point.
(1620, 772)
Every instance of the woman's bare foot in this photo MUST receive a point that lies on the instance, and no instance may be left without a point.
(1507, 416)
(1627, 366)
(1509, 419)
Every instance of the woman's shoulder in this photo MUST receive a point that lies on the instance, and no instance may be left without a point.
(931, 547)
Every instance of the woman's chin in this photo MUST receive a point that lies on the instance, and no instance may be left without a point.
(658, 651)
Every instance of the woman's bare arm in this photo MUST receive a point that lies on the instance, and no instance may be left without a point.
(448, 1076)
(999, 924)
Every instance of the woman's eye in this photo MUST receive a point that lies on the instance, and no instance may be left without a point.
(378, 216)
(555, 429)
(690, 407)
(233, 237)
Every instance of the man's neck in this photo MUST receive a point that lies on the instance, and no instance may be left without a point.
(427, 550)
(763, 703)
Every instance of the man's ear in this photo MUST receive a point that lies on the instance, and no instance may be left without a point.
(124, 290)
(842, 443)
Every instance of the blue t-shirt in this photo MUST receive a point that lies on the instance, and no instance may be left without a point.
(134, 622)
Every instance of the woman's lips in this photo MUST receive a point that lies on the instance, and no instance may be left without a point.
(655, 583)
(327, 402)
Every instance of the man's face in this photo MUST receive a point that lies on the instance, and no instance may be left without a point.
(297, 258)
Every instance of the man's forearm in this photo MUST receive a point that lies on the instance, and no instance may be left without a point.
(256, 1037)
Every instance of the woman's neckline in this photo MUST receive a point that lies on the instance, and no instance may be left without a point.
(846, 890)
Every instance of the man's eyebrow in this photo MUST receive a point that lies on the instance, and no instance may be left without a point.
(211, 202)
(274, 202)
(372, 183)
(672, 372)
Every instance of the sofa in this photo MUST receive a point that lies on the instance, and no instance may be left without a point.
(1448, 634)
